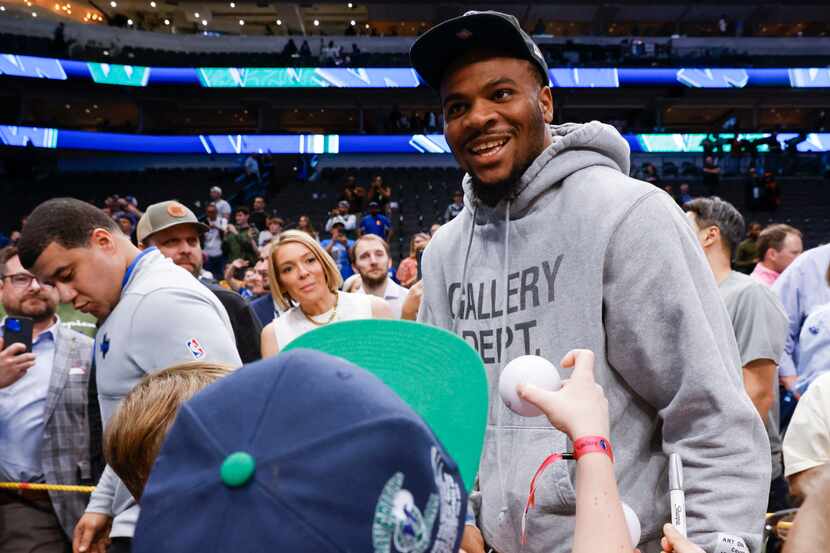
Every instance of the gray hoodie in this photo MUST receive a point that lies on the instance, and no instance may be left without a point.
(594, 259)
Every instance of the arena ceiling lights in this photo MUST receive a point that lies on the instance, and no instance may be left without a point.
(396, 77)
(235, 144)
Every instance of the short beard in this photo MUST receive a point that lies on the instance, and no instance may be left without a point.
(491, 194)
(373, 282)
(38, 316)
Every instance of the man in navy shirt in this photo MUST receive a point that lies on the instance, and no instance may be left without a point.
(338, 248)
(375, 223)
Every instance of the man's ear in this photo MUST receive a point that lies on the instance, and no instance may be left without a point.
(711, 235)
(102, 238)
(546, 104)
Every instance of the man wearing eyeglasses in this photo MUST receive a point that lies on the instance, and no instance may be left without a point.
(44, 432)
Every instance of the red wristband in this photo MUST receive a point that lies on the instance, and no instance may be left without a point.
(592, 444)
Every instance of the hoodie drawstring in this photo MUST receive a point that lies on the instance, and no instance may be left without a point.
(458, 315)
(503, 348)
(462, 301)
(506, 283)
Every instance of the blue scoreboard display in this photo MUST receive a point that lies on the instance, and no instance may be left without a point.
(39, 137)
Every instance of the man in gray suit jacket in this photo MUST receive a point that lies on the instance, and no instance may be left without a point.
(44, 432)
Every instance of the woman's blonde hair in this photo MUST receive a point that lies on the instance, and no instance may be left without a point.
(136, 432)
(330, 270)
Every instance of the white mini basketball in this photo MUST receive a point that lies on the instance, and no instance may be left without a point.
(527, 369)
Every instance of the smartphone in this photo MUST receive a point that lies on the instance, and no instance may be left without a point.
(420, 254)
(18, 330)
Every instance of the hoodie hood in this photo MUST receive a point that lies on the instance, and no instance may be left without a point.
(575, 146)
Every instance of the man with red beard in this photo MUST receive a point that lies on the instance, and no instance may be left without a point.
(44, 431)
(370, 258)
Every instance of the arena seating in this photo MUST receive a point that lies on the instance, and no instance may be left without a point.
(421, 194)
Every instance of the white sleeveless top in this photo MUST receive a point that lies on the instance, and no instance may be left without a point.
(293, 323)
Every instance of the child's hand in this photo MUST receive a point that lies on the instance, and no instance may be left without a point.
(579, 408)
(674, 542)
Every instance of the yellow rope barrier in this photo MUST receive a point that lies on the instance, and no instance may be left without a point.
(46, 487)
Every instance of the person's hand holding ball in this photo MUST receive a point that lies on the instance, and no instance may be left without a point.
(577, 408)
(527, 369)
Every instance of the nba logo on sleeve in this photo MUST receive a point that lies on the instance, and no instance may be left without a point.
(195, 348)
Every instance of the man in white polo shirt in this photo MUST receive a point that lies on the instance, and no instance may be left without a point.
(370, 259)
(152, 314)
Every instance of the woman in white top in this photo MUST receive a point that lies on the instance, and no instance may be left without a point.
(304, 283)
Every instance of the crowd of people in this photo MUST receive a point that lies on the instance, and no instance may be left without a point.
(222, 428)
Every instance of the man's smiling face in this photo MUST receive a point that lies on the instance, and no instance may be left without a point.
(496, 115)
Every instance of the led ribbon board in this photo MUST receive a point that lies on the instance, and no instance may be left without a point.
(38, 137)
(396, 77)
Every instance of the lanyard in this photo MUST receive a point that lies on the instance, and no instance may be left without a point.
(132, 266)
(531, 497)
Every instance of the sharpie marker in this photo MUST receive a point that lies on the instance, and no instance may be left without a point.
(676, 496)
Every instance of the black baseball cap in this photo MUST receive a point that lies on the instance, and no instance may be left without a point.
(434, 51)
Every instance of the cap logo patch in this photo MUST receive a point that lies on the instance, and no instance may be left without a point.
(176, 210)
(464, 34)
(400, 526)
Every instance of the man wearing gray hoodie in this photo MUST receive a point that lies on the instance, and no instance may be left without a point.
(556, 249)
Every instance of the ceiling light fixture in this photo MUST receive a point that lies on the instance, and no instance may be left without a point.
(130, 22)
(167, 22)
(204, 22)
(114, 4)
(196, 15)
(316, 22)
(242, 22)
(279, 21)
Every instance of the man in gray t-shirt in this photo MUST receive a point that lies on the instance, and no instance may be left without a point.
(758, 319)
(151, 313)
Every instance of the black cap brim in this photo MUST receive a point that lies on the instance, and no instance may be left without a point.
(434, 51)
